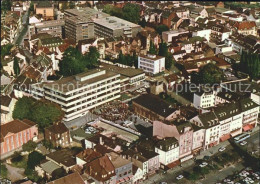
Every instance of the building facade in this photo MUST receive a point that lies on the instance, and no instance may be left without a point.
(16, 133)
(78, 94)
(151, 64)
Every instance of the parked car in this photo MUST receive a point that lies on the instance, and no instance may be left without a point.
(243, 143)
(222, 149)
(204, 164)
(179, 177)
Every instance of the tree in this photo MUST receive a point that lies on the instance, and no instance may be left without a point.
(131, 12)
(58, 173)
(44, 113)
(34, 159)
(6, 5)
(142, 22)
(16, 66)
(92, 58)
(5, 49)
(48, 144)
(17, 157)
(210, 74)
(3, 170)
(72, 62)
(29, 146)
(22, 108)
(161, 28)
(152, 49)
(108, 8)
(113, 11)
(163, 51)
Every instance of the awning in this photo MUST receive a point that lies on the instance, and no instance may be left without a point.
(225, 137)
(173, 164)
(213, 144)
(248, 127)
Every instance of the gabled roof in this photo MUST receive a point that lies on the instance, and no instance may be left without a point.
(74, 178)
(167, 143)
(155, 104)
(5, 100)
(101, 169)
(245, 25)
(58, 128)
(15, 126)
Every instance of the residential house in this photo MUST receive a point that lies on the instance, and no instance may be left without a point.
(210, 123)
(219, 33)
(58, 134)
(71, 178)
(45, 9)
(198, 139)
(153, 15)
(167, 17)
(123, 167)
(204, 99)
(7, 107)
(147, 161)
(101, 170)
(16, 133)
(182, 12)
(46, 168)
(64, 158)
(246, 28)
(226, 97)
(144, 107)
(168, 150)
(86, 156)
(181, 130)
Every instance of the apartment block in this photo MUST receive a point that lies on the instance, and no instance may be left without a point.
(78, 94)
(115, 27)
(87, 23)
(203, 99)
(52, 27)
(79, 23)
(151, 64)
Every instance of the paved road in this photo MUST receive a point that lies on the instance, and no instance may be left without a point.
(186, 166)
(14, 174)
(21, 31)
(216, 177)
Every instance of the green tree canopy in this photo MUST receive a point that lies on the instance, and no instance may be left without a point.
(152, 49)
(22, 108)
(5, 49)
(44, 113)
(91, 58)
(163, 51)
(3, 170)
(161, 28)
(131, 12)
(250, 64)
(6, 5)
(34, 158)
(17, 157)
(29, 146)
(113, 11)
(58, 173)
(210, 74)
(16, 66)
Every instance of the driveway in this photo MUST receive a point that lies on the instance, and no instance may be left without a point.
(14, 174)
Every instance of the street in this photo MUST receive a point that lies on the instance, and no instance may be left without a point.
(19, 37)
(211, 178)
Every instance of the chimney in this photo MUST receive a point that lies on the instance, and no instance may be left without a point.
(101, 141)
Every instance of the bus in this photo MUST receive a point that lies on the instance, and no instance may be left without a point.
(241, 138)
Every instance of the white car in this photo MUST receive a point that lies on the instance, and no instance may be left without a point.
(243, 143)
(204, 164)
(222, 149)
(179, 177)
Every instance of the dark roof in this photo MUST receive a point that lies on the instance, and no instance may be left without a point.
(74, 178)
(5, 100)
(43, 4)
(155, 104)
(64, 156)
(247, 104)
(226, 111)
(208, 119)
(99, 168)
(180, 124)
(229, 96)
(58, 128)
(167, 143)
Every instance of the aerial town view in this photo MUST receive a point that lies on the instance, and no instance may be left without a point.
(130, 92)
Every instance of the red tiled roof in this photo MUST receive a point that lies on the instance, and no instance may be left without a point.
(74, 178)
(15, 126)
(64, 46)
(245, 25)
(100, 169)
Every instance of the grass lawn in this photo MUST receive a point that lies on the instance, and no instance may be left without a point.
(22, 163)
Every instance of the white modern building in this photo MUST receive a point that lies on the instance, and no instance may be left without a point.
(168, 150)
(78, 94)
(151, 64)
(203, 99)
